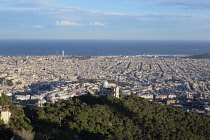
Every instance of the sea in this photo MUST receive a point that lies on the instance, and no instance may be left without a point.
(102, 47)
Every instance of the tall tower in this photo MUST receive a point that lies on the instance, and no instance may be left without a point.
(56, 52)
(117, 92)
(3, 85)
(63, 53)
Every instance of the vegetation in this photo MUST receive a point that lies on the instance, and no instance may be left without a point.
(107, 117)
(19, 125)
(122, 84)
(202, 56)
(5, 101)
(100, 117)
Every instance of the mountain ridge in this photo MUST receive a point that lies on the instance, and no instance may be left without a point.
(201, 56)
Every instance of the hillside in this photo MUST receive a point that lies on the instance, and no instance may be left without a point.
(202, 56)
(19, 125)
(94, 117)
(100, 118)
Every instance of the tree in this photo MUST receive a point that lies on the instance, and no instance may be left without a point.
(24, 134)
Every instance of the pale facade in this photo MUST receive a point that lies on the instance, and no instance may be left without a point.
(5, 116)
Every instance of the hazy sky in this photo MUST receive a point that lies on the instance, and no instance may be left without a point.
(105, 19)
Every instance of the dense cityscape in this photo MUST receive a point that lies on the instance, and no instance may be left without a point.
(104, 70)
(173, 81)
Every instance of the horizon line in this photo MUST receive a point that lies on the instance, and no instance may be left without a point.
(112, 39)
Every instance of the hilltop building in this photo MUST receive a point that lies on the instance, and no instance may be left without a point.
(109, 89)
(5, 115)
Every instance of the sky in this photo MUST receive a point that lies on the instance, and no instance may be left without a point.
(105, 19)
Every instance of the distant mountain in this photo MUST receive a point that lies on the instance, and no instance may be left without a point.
(202, 56)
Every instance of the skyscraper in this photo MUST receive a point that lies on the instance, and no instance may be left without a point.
(56, 52)
(62, 53)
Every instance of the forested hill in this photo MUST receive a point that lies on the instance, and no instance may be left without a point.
(19, 125)
(202, 56)
(94, 117)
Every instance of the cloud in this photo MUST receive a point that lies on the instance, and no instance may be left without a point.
(188, 5)
(163, 15)
(27, 3)
(38, 26)
(97, 23)
(56, 11)
(67, 23)
(122, 14)
(158, 15)
(50, 11)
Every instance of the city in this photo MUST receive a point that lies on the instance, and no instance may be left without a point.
(104, 70)
(174, 81)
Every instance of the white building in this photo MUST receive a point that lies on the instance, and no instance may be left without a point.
(63, 53)
(5, 115)
(109, 89)
(147, 96)
(22, 97)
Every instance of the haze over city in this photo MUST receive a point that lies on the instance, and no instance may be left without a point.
(105, 19)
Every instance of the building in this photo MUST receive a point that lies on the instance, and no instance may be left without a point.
(169, 102)
(57, 53)
(109, 89)
(146, 96)
(160, 97)
(63, 53)
(206, 108)
(5, 115)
